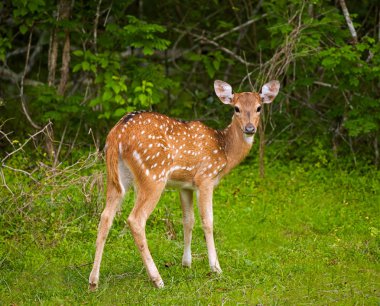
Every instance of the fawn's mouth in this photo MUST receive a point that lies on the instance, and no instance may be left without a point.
(248, 133)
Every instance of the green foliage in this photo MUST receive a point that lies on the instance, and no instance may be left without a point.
(111, 72)
(212, 62)
(143, 94)
(107, 74)
(53, 107)
(167, 62)
(26, 13)
(356, 74)
(341, 80)
(140, 34)
(5, 45)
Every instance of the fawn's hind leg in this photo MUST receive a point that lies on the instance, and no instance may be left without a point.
(114, 197)
(146, 200)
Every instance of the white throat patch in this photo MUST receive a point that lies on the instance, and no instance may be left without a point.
(249, 138)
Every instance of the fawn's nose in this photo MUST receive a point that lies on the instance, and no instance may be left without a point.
(249, 129)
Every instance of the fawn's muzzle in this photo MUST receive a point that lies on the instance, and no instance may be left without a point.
(249, 129)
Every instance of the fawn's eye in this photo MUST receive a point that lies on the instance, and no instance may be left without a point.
(237, 110)
(258, 109)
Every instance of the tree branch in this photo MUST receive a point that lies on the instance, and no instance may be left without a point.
(36, 51)
(237, 28)
(96, 22)
(15, 78)
(53, 52)
(8, 74)
(349, 21)
(243, 29)
(214, 43)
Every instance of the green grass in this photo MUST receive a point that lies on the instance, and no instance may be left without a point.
(299, 236)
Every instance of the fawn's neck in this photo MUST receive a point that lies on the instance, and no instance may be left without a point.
(237, 145)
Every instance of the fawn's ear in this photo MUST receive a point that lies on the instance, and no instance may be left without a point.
(224, 91)
(270, 91)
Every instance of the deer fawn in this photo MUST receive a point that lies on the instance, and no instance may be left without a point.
(151, 151)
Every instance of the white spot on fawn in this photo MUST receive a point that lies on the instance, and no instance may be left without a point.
(136, 155)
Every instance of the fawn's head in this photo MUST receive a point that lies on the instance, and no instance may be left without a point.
(247, 105)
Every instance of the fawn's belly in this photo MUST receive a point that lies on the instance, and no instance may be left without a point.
(180, 184)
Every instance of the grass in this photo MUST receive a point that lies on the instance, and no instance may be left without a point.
(300, 236)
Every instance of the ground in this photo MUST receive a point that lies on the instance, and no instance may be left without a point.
(303, 235)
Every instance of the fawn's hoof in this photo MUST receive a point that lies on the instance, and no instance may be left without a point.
(186, 264)
(159, 283)
(92, 287)
(216, 269)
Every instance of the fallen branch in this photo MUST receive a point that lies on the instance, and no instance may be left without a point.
(323, 84)
(5, 182)
(22, 171)
(3, 161)
(25, 143)
(5, 135)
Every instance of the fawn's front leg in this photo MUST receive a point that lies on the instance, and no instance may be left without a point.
(186, 197)
(205, 210)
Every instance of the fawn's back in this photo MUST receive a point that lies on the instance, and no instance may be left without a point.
(164, 149)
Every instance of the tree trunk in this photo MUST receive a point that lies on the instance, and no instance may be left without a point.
(52, 57)
(64, 14)
(65, 65)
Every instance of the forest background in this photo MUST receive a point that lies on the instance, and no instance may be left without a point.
(70, 69)
(81, 65)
